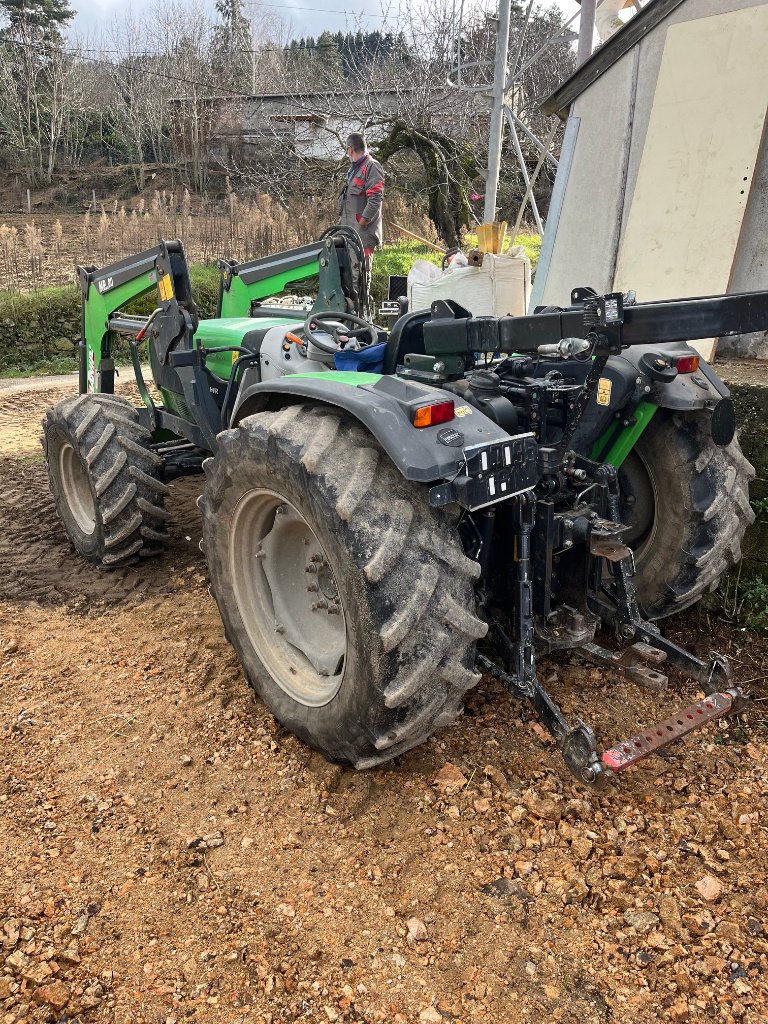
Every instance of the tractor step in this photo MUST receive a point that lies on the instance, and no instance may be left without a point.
(655, 737)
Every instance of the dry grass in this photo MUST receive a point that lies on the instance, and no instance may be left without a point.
(38, 250)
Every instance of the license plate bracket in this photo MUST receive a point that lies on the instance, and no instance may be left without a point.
(491, 473)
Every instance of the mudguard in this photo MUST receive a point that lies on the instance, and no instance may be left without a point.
(385, 406)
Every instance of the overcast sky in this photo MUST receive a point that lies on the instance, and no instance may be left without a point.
(306, 17)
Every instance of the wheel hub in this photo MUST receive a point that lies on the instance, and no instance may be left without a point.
(77, 488)
(288, 597)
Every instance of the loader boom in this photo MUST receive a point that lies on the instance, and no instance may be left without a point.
(242, 286)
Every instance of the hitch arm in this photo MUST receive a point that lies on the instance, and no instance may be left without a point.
(576, 742)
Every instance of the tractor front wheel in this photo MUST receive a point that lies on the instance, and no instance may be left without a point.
(349, 600)
(105, 480)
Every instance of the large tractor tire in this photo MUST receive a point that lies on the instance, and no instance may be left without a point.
(686, 502)
(105, 479)
(349, 600)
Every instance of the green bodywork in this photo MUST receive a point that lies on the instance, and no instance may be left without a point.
(354, 378)
(615, 445)
(219, 332)
(229, 328)
(98, 308)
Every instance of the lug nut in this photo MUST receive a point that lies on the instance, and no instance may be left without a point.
(334, 609)
(319, 605)
(312, 588)
(310, 568)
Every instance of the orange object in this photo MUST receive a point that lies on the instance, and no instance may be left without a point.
(294, 338)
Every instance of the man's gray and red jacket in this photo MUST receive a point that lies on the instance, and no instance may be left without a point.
(361, 199)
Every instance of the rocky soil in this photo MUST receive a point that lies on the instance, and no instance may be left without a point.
(171, 854)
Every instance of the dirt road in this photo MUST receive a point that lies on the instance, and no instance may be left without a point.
(170, 854)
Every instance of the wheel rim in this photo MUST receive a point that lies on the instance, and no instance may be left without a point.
(287, 597)
(77, 488)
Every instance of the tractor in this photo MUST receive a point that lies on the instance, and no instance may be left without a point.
(387, 515)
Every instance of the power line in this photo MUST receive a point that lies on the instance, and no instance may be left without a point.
(142, 71)
(295, 48)
(167, 76)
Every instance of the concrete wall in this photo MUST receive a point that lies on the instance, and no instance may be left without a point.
(614, 114)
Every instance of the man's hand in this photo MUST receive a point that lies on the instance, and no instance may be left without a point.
(364, 223)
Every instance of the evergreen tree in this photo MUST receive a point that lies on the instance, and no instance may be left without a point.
(329, 59)
(232, 46)
(39, 19)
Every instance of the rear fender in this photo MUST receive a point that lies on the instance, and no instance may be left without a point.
(384, 405)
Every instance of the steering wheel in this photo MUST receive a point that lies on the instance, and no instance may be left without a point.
(316, 320)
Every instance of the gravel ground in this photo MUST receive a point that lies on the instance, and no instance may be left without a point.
(171, 854)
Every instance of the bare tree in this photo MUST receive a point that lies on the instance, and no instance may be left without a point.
(33, 88)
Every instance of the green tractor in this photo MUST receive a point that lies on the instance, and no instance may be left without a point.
(388, 515)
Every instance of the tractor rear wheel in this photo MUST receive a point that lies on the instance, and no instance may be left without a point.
(348, 599)
(686, 502)
(105, 479)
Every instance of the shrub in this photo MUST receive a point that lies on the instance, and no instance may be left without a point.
(40, 331)
(395, 260)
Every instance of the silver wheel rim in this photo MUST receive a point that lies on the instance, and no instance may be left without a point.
(77, 488)
(287, 597)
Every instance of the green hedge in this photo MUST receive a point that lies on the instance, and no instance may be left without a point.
(40, 331)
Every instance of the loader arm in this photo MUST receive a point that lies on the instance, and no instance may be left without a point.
(106, 290)
(243, 285)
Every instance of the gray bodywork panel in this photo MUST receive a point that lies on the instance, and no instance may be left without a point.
(384, 408)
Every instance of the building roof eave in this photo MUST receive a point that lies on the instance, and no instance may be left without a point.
(605, 56)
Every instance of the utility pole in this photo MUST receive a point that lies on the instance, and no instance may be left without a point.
(586, 31)
(497, 111)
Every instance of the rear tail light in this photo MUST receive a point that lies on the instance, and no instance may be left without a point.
(687, 364)
(431, 415)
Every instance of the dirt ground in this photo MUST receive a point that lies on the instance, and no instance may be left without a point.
(171, 854)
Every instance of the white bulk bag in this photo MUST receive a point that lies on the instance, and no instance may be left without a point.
(499, 287)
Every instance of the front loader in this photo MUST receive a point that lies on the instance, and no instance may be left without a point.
(386, 517)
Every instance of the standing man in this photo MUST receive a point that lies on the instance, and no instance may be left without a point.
(360, 202)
